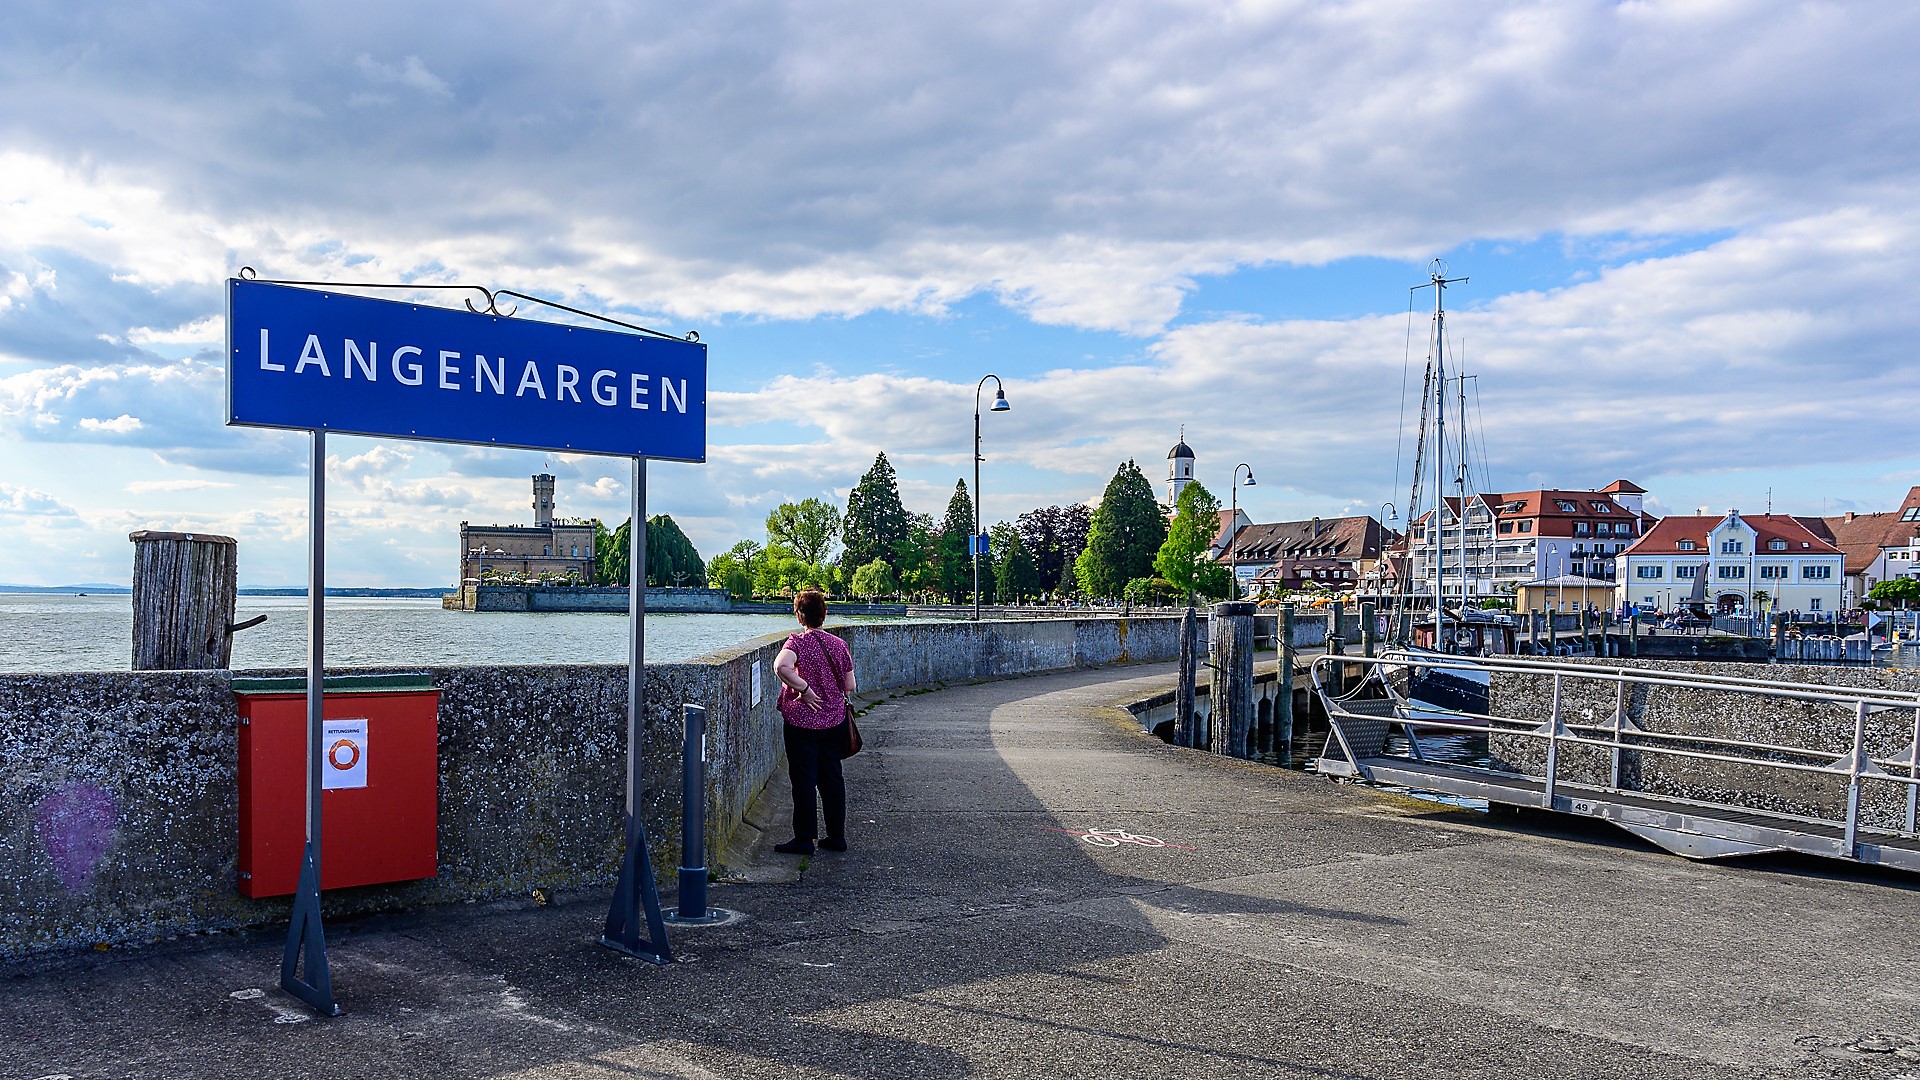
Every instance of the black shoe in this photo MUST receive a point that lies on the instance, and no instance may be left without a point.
(795, 846)
(834, 843)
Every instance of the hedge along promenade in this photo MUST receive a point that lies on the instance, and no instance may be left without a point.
(118, 790)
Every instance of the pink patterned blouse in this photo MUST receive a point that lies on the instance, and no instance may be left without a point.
(811, 652)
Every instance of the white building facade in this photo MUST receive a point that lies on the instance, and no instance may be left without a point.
(1768, 563)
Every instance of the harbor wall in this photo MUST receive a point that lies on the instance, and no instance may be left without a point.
(1719, 714)
(119, 800)
(613, 599)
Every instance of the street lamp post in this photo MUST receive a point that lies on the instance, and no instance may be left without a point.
(973, 542)
(1233, 530)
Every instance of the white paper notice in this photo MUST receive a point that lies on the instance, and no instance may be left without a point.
(756, 682)
(343, 746)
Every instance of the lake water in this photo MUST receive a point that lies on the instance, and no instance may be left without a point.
(41, 633)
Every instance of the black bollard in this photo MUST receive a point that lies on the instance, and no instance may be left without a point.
(693, 907)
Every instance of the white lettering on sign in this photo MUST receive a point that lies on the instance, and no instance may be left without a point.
(369, 364)
(343, 754)
(361, 360)
(756, 682)
(311, 355)
(412, 377)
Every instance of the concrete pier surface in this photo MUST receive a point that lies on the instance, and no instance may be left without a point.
(1227, 920)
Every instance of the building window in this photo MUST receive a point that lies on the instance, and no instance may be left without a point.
(1732, 572)
(1776, 572)
(1912, 513)
(1686, 571)
(546, 549)
(1506, 526)
(1600, 507)
(1813, 604)
(575, 550)
(1684, 545)
(1566, 507)
(1776, 545)
(1816, 573)
(1732, 547)
(1526, 526)
(1652, 573)
(1580, 528)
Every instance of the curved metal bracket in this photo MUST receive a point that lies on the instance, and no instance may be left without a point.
(691, 336)
(247, 273)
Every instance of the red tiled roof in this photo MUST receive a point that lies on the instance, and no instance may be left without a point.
(1665, 537)
(1624, 487)
(1862, 536)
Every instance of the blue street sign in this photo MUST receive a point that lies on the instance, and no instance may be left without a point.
(977, 545)
(314, 360)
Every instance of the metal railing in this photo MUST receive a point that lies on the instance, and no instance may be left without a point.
(1620, 734)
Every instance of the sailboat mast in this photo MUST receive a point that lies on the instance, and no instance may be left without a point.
(1461, 470)
(1437, 277)
(1439, 454)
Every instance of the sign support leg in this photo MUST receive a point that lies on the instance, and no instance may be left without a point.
(635, 897)
(305, 934)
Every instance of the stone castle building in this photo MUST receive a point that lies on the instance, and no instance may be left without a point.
(545, 547)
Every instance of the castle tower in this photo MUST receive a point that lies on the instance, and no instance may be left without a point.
(542, 500)
(1179, 467)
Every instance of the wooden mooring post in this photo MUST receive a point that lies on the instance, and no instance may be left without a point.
(184, 591)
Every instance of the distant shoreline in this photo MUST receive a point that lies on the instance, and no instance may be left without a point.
(122, 590)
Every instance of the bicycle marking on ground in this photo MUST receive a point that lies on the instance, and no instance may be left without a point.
(1113, 838)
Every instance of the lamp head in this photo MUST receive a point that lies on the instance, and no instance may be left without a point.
(999, 401)
(1250, 482)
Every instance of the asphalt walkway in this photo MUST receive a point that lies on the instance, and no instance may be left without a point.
(1251, 922)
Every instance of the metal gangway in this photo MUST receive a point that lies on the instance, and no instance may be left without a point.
(1631, 746)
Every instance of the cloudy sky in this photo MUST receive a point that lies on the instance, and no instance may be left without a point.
(1691, 229)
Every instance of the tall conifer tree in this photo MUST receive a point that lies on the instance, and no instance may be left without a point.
(1127, 531)
(953, 567)
(875, 523)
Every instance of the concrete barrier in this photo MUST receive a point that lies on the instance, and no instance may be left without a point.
(118, 799)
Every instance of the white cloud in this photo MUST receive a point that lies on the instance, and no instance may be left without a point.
(143, 487)
(17, 500)
(119, 425)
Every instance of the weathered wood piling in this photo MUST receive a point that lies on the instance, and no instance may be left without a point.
(184, 591)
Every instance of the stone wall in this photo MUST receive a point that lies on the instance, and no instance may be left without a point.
(1725, 715)
(118, 803)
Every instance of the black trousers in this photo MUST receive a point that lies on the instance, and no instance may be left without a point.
(813, 762)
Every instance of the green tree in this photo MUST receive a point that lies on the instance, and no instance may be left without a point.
(1125, 535)
(1185, 559)
(611, 553)
(953, 567)
(781, 571)
(1055, 536)
(807, 528)
(671, 557)
(1901, 590)
(1015, 578)
(913, 558)
(875, 523)
(874, 579)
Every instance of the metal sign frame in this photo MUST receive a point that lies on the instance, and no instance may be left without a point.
(635, 923)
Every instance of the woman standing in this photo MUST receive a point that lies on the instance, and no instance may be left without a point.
(815, 670)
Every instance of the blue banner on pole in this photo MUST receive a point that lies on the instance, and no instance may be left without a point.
(314, 360)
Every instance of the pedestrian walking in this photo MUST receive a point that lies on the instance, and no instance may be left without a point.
(815, 670)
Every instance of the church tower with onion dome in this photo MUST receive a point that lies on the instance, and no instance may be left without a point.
(1179, 467)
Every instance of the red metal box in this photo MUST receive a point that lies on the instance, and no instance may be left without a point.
(379, 806)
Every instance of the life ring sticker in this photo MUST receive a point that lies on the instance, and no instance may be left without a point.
(345, 750)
